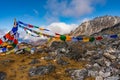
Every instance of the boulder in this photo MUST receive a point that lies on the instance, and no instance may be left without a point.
(41, 70)
(3, 76)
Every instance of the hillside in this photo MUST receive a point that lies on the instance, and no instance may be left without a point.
(97, 60)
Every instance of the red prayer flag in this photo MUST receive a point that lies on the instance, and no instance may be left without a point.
(30, 26)
(8, 36)
(57, 34)
(25, 28)
(99, 38)
(15, 41)
(1, 41)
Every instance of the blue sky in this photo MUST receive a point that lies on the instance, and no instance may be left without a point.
(46, 12)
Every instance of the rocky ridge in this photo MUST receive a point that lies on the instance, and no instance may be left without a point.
(96, 25)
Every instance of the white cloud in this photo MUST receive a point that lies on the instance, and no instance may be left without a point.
(71, 8)
(61, 27)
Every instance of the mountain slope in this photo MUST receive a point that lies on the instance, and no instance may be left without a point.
(95, 25)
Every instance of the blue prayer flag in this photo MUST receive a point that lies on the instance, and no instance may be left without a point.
(114, 36)
(4, 49)
(79, 38)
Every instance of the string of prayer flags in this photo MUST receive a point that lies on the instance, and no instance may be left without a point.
(32, 26)
(66, 37)
(31, 34)
(19, 22)
(38, 33)
(10, 38)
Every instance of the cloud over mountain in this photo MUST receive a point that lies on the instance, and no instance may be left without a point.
(71, 8)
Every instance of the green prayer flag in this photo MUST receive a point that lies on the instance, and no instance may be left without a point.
(36, 26)
(14, 45)
(91, 39)
(63, 37)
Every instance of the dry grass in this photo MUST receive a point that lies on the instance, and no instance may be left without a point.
(19, 67)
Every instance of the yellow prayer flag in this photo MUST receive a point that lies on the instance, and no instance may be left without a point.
(41, 28)
(4, 44)
(68, 38)
(85, 39)
(9, 46)
(40, 34)
(57, 37)
(49, 39)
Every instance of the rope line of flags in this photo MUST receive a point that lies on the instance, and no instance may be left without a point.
(10, 39)
(58, 36)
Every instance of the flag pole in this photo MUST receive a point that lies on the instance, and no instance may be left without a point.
(15, 22)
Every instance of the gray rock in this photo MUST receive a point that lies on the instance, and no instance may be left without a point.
(79, 74)
(74, 55)
(90, 53)
(58, 56)
(62, 50)
(96, 65)
(41, 70)
(109, 56)
(57, 45)
(48, 58)
(20, 51)
(93, 73)
(62, 62)
(3, 75)
(69, 71)
(106, 74)
(53, 53)
(107, 63)
(112, 78)
(99, 78)
(40, 50)
(101, 62)
(96, 56)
